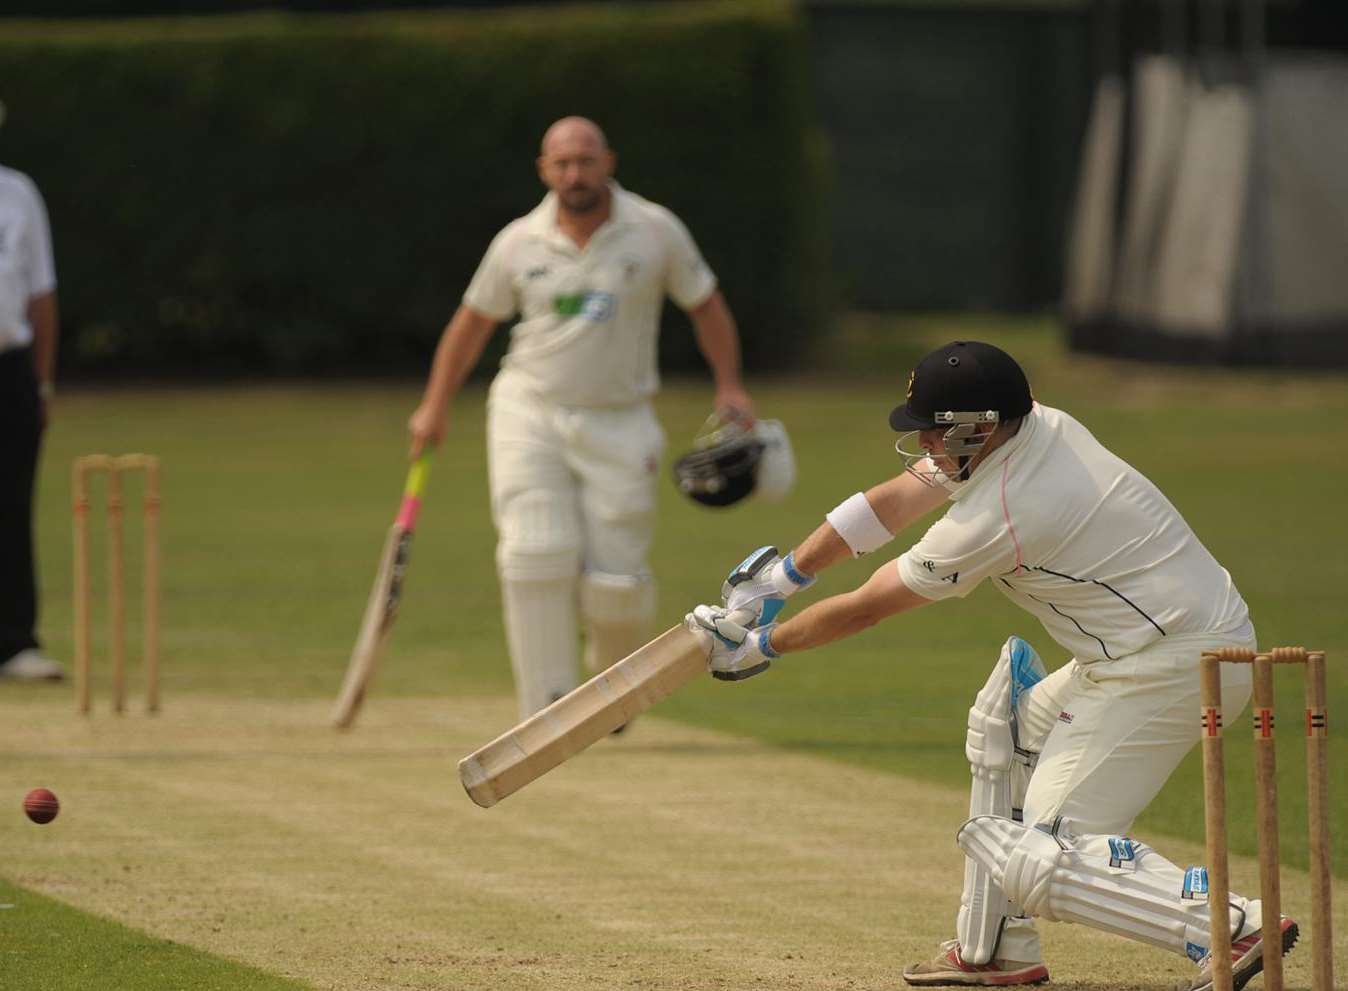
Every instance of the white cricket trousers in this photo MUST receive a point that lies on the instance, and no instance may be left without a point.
(1109, 734)
(572, 489)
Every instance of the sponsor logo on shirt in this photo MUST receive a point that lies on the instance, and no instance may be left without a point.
(594, 306)
(953, 577)
(537, 272)
(1064, 716)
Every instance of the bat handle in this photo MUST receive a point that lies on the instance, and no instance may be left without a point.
(416, 484)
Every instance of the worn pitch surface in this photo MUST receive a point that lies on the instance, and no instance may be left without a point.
(670, 858)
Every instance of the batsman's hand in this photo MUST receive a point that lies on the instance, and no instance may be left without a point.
(760, 585)
(736, 651)
(733, 403)
(426, 426)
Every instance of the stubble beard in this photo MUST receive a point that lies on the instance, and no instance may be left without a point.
(582, 201)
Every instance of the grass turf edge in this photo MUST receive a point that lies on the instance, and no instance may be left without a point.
(47, 944)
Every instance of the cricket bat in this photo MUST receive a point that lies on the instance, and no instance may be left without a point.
(576, 720)
(382, 609)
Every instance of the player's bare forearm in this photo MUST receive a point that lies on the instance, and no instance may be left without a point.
(456, 355)
(42, 318)
(903, 500)
(884, 594)
(820, 550)
(719, 342)
(458, 351)
(897, 503)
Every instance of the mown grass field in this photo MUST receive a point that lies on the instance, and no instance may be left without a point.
(276, 497)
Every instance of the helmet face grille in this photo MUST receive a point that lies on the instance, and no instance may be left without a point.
(730, 462)
(722, 474)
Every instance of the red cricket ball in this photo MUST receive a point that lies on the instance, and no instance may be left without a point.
(41, 805)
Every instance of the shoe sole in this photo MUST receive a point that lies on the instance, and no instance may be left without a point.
(961, 979)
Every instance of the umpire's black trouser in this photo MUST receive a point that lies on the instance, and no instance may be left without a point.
(20, 436)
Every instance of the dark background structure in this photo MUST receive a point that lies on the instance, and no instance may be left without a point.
(306, 185)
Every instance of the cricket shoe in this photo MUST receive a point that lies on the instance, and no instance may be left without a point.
(29, 665)
(1247, 959)
(947, 968)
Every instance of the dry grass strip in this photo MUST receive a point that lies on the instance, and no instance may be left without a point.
(671, 858)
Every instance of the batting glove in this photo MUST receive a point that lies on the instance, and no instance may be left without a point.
(736, 650)
(761, 583)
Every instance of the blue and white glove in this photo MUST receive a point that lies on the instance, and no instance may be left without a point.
(736, 651)
(760, 585)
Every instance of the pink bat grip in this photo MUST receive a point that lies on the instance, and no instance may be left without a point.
(407, 513)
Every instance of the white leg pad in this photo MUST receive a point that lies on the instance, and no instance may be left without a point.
(538, 560)
(1110, 883)
(540, 537)
(984, 908)
(1020, 941)
(618, 611)
(1001, 773)
(541, 631)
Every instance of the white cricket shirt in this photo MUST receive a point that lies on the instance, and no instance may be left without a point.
(1076, 536)
(26, 266)
(589, 319)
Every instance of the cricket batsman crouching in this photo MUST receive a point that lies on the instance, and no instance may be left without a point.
(1061, 763)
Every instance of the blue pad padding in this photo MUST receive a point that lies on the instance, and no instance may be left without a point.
(1027, 670)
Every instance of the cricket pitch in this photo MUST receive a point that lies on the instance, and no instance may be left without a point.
(670, 858)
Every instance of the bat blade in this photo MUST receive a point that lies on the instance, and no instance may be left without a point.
(382, 608)
(380, 612)
(589, 713)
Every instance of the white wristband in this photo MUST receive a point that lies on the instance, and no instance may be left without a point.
(859, 527)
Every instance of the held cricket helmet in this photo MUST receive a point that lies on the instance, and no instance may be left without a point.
(730, 461)
(960, 387)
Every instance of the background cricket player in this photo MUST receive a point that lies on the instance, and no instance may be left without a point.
(1092, 549)
(573, 444)
(28, 340)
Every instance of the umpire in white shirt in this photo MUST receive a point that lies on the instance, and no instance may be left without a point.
(1061, 763)
(27, 366)
(573, 444)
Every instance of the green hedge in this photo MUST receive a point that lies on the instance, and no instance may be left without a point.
(294, 194)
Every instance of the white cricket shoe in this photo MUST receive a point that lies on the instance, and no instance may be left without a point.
(948, 968)
(29, 665)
